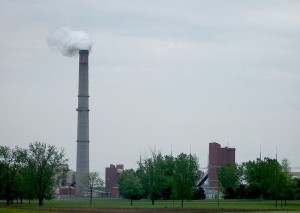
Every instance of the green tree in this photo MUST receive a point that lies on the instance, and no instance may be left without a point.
(153, 176)
(142, 175)
(130, 185)
(297, 189)
(185, 176)
(168, 166)
(288, 183)
(229, 176)
(44, 161)
(10, 165)
(272, 179)
(2, 178)
(26, 183)
(93, 181)
(265, 176)
(252, 191)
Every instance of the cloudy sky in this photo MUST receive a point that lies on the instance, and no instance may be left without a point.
(164, 74)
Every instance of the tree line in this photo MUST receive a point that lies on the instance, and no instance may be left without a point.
(161, 177)
(167, 177)
(263, 178)
(30, 173)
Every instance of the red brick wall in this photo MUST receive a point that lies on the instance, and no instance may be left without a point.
(218, 157)
(111, 179)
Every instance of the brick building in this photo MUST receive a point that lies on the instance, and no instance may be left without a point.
(218, 156)
(111, 179)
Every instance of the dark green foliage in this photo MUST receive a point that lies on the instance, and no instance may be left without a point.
(174, 178)
(166, 177)
(29, 173)
(43, 163)
(253, 191)
(198, 194)
(185, 176)
(10, 164)
(268, 179)
(229, 193)
(263, 179)
(297, 190)
(229, 176)
(2, 171)
(156, 174)
(130, 185)
(240, 192)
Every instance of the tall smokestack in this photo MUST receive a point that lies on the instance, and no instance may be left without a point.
(69, 42)
(82, 164)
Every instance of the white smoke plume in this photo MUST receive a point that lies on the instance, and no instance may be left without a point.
(69, 42)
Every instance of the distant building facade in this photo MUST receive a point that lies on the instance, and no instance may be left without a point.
(112, 174)
(66, 181)
(218, 156)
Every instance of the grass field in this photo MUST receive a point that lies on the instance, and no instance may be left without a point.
(107, 205)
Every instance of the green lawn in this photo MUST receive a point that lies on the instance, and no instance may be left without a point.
(12, 210)
(121, 203)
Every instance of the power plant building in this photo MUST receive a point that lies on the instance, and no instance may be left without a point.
(112, 174)
(218, 157)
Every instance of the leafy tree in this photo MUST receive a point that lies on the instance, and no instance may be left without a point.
(26, 183)
(10, 165)
(18, 187)
(93, 181)
(151, 171)
(297, 189)
(288, 184)
(44, 161)
(156, 174)
(142, 175)
(266, 176)
(168, 165)
(7, 172)
(240, 192)
(154, 170)
(2, 178)
(185, 175)
(130, 185)
(273, 179)
(229, 176)
(252, 191)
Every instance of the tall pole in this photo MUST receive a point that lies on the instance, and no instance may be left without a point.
(82, 164)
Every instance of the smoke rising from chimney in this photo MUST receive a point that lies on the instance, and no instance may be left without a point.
(69, 42)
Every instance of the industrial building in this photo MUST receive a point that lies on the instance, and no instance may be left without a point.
(218, 157)
(66, 184)
(112, 174)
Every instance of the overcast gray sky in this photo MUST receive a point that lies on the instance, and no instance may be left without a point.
(163, 73)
